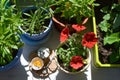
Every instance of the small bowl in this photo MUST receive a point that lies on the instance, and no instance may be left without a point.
(36, 63)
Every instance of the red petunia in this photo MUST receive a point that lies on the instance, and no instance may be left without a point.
(89, 40)
(78, 27)
(76, 62)
(64, 34)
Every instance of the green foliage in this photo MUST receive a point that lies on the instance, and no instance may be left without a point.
(71, 47)
(115, 37)
(116, 22)
(74, 8)
(110, 24)
(36, 21)
(104, 25)
(111, 28)
(9, 32)
(115, 56)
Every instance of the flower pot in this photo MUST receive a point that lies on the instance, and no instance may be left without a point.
(35, 38)
(67, 13)
(73, 52)
(96, 57)
(59, 25)
(13, 62)
(106, 58)
(88, 61)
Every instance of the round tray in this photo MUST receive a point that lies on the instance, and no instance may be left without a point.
(49, 67)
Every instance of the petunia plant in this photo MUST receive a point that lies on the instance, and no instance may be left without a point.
(74, 47)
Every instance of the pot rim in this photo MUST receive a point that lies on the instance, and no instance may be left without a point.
(13, 62)
(49, 25)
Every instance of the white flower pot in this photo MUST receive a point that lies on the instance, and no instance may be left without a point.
(81, 70)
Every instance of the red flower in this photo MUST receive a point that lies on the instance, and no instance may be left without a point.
(64, 34)
(78, 27)
(89, 40)
(76, 62)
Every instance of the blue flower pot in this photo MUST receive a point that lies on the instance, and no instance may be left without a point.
(13, 62)
(35, 37)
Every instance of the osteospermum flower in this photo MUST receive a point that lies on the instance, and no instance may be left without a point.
(76, 62)
(89, 40)
(64, 34)
(78, 27)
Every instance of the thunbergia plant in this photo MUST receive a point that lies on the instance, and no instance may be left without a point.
(74, 47)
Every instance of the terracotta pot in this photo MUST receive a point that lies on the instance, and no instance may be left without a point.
(60, 25)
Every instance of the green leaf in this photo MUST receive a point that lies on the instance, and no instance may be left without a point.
(115, 37)
(104, 25)
(3, 52)
(9, 57)
(28, 15)
(116, 24)
(114, 57)
(2, 37)
(9, 36)
(116, 6)
(2, 61)
(105, 9)
(96, 4)
(106, 17)
(7, 51)
(14, 46)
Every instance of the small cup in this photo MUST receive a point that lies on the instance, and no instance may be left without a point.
(44, 52)
(37, 63)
